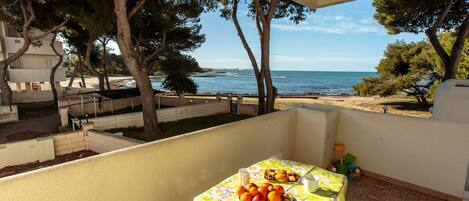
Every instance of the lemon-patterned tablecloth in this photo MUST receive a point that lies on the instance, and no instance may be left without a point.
(332, 186)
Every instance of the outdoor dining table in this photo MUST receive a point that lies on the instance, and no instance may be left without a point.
(332, 186)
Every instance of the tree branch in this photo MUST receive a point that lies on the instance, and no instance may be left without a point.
(53, 29)
(243, 38)
(135, 9)
(431, 33)
(154, 54)
(258, 25)
(260, 11)
(272, 7)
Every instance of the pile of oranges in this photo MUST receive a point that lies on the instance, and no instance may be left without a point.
(264, 192)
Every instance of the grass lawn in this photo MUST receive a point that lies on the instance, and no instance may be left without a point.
(174, 128)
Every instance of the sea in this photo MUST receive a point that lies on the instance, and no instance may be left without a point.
(287, 82)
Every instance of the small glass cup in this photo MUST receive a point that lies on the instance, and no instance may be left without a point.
(243, 177)
(310, 183)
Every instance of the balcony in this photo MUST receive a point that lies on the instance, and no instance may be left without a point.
(34, 75)
(13, 44)
(422, 157)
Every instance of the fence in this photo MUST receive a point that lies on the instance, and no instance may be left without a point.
(46, 148)
(135, 119)
(8, 114)
(15, 153)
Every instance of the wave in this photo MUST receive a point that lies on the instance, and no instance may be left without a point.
(236, 75)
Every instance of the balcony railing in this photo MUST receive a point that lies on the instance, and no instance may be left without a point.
(34, 75)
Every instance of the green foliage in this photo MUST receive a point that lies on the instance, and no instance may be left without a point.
(447, 40)
(417, 15)
(404, 67)
(284, 9)
(413, 68)
(178, 70)
(179, 83)
(167, 28)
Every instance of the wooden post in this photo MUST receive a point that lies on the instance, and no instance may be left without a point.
(132, 102)
(239, 104)
(229, 100)
(112, 107)
(82, 107)
(94, 103)
(159, 101)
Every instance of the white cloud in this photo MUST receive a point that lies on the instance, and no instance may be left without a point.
(321, 59)
(337, 24)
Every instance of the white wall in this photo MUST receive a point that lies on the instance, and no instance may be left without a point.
(7, 115)
(12, 44)
(425, 152)
(164, 115)
(177, 168)
(31, 96)
(69, 142)
(452, 101)
(35, 75)
(16, 153)
(102, 142)
(315, 135)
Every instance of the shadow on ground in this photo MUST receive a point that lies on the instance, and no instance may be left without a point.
(409, 106)
(36, 120)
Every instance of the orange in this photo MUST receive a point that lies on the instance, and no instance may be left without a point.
(245, 197)
(274, 196)
(250, 185)
(263, 190)
(240, 190)
(253, 190)
(266, 184)
(279, 189)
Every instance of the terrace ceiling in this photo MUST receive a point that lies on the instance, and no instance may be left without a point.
(315, 4)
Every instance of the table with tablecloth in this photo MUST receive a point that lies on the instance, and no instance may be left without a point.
(332, 186)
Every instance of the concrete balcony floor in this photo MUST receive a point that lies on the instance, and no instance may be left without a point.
(367, 188)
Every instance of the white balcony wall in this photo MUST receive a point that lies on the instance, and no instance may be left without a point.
(13, 44)
(429, 153)
(178, 168)
(35, 61)
(35, 75)
(40, 149)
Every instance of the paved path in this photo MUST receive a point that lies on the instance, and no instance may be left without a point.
(36, 120)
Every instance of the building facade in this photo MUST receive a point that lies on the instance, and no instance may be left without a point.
(29, 75)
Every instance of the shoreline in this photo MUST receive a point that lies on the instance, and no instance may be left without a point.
(118, 82)
(398, 105)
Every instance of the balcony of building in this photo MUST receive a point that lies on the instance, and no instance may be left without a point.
(402, 158)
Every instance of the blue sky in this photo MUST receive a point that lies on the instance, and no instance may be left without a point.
(337, 38)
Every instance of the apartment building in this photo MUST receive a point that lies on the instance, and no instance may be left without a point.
(29, 75)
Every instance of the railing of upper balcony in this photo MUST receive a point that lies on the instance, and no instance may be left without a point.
(10, 31)
(16, 64)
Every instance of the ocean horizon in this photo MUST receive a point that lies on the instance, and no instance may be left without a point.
(287, 82)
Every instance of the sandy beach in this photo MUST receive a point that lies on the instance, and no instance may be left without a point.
(397, 105)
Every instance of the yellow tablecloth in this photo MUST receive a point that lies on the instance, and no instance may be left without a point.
(332, 186)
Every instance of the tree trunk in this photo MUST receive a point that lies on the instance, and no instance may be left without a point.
(72, 78)
(54, 69)
(258, 75)
(80, 63)
(105, 63)
(263, 22)
(139, 73)
(265, 65)
(83, 82)
(450, 62)
(456, 51)
(4, 87)
(87, 62)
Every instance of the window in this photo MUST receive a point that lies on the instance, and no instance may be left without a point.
(17, 64)
(10, 31)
